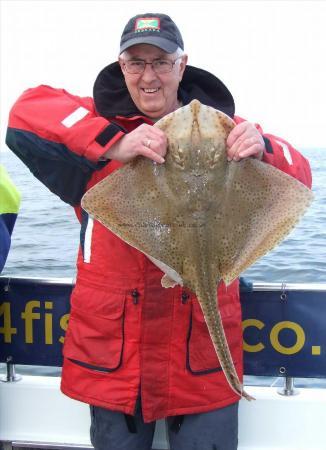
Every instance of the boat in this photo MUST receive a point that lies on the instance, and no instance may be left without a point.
(284, 364)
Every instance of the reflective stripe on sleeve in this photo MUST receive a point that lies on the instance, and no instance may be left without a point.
(88, 240)
(286, 152)
(75, 116)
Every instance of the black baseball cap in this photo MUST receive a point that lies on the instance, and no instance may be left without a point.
(154, 29)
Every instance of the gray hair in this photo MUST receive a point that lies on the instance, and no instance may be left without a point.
(178, 53)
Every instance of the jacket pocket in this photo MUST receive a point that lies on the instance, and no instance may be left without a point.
(201, 356)
(95, 335)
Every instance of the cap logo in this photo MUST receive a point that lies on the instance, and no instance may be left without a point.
(147, 24)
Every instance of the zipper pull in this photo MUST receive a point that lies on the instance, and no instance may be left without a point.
(135, 295)
(184, 297)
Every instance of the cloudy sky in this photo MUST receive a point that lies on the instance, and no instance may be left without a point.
(270, 54)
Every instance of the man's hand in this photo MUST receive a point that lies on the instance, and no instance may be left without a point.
(145, 140)
(244, 141)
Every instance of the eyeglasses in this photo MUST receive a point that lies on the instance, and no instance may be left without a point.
(137, 66)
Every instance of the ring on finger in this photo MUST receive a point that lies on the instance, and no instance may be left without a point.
(148, 143)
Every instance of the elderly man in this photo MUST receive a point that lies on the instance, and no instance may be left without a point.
(134, 351)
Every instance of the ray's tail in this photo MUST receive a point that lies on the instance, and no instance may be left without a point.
(215, 327)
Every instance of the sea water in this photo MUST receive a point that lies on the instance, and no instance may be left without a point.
(46, 235)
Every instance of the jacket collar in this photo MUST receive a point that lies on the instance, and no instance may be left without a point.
(112, 98)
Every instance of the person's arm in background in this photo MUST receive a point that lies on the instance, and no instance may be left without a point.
(9, 206)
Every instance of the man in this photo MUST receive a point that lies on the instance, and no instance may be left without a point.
(135, 351)
(9, 206)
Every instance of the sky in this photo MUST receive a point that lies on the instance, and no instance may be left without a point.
(270, 54)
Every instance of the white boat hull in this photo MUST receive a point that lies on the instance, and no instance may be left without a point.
(33, 411)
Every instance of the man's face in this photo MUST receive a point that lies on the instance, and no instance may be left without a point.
(154, 94)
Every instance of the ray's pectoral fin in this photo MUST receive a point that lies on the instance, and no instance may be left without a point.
(134, 203)
(262, 205)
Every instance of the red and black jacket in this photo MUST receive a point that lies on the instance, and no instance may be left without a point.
(126, 333)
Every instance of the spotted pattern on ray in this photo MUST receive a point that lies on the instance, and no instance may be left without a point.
(200, 218)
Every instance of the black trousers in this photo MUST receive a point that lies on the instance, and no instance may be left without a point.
(214, 430)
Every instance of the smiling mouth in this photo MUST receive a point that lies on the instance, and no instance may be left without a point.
(150, 91)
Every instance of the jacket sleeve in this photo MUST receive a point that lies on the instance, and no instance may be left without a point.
(9, 206)
(280, 154)
(60, 138)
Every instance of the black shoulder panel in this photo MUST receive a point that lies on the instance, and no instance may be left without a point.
(63, 172)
